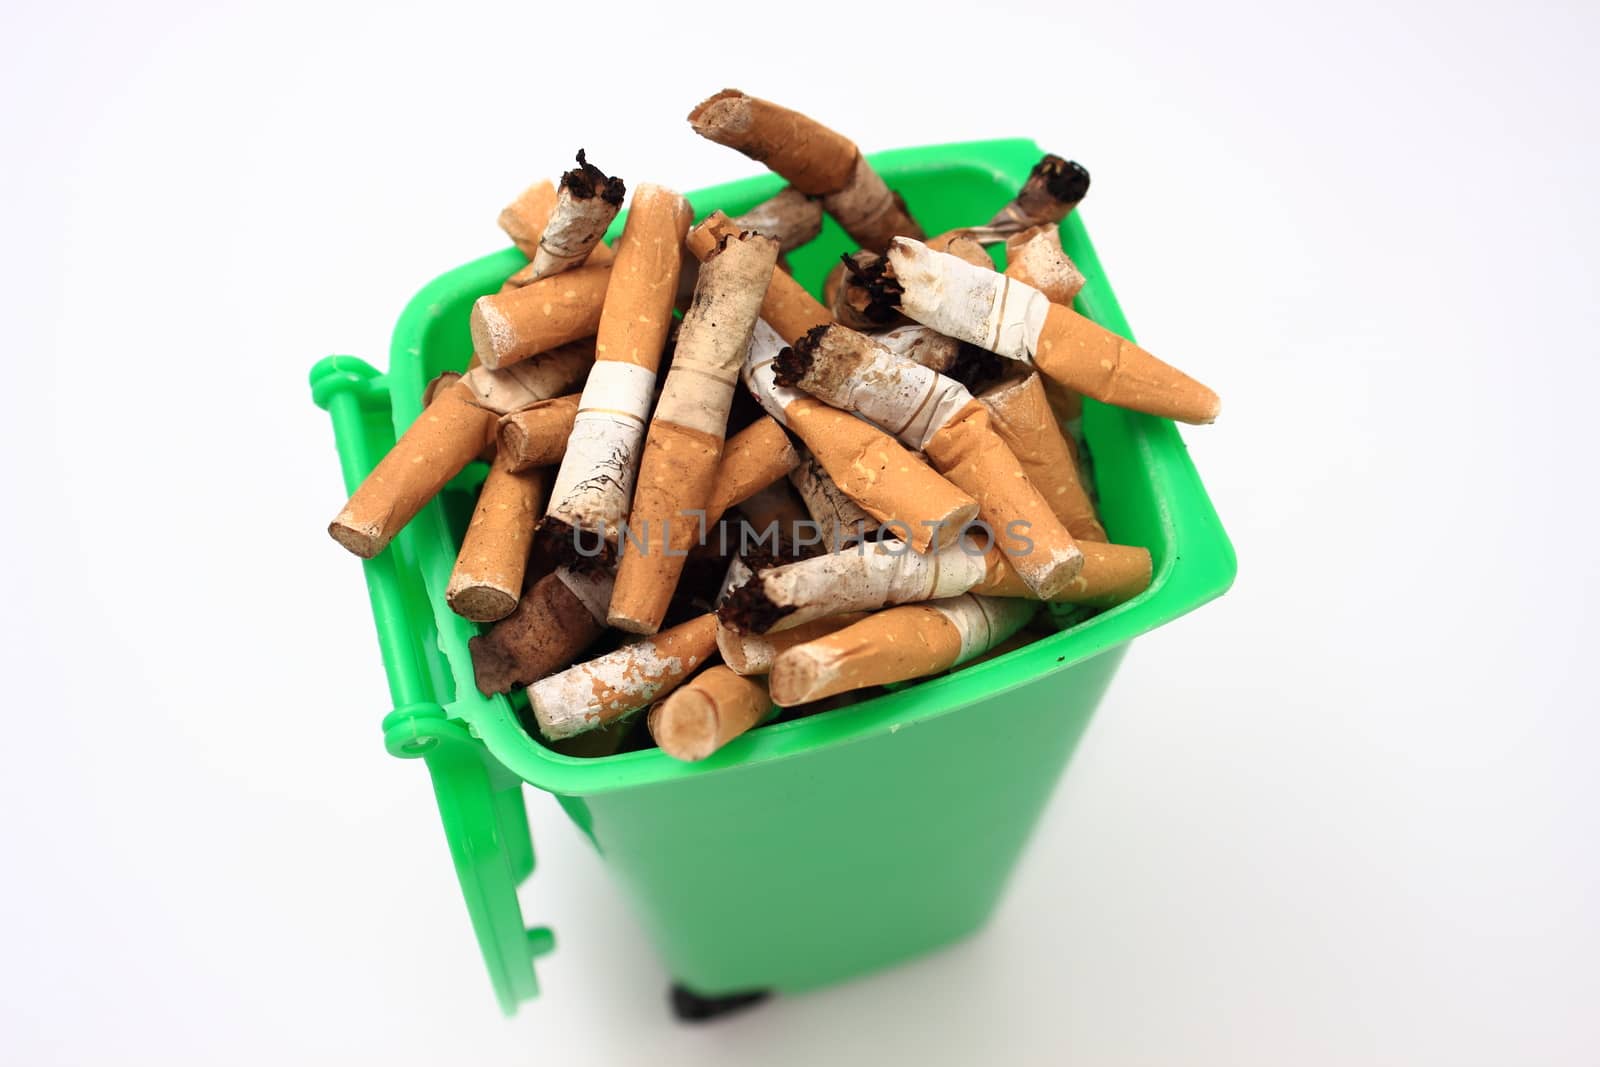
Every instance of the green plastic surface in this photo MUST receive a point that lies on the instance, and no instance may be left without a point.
(808, 851)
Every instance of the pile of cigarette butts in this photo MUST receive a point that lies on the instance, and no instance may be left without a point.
(898, 487)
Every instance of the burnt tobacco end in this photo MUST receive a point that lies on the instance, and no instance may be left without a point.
(873, 276)
(587, 180)
(793, 363)
(976, 367)
(1066, 180)
(580, 550)
(749, 610)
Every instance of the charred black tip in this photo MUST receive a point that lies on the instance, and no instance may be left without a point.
(975, 367)
(749, 610)
(794, 363)
(578, 549)
(1066, 180)
(587, 180)
(872, 276)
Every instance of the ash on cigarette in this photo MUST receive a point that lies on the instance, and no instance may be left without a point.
(1064, 179)
(871, 287)
(748, 609)
(584, 551)
(976, 368)
(794, 363)
(587, 180)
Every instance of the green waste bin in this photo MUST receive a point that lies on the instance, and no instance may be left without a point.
(805, 852)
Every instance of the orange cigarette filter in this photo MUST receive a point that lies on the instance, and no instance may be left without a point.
(753, 459)
(487, 580)
(753, 653)
(537, 436)
(1110, 575)
(517, 324)
(1020, 412)
(447, 436)
(708, 711)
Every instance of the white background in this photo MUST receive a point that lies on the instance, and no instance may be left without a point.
(1345, 815)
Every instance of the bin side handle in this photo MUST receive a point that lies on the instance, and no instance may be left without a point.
(480, 802)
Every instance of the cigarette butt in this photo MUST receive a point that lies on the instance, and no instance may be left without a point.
(861, 293)
(551, 626)
(895, 646)
(586, 202)
(447, 436)
(532, 381)
(537, 436)
(866, 578)
(1035, 257)
(602, 690)
(1016, 321)
(487, 579)
(524, 219)
(749, 653)
(752, 459)
(444, 381)
(791, 218)
(517, 324)
(969, 452)
(1085, 356)
(708, 711)
(1054, 187)
(964, 246)
(919, 344)
(810, 156)
(682, 450)
(595, 482)
(600, 255)
(1110, 575)
(1020, 413)
(786, 307)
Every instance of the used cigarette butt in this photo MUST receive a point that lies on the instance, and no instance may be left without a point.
(602, 690)
(444, 381)
(678, 467)
(487, 580)
(531, 382)
(916, 342)
(871, 467)
(1035, 257)
(861, 293)
(555, 620)
(838, 520)
(964, 246)
(517, 324)
(708, 711)
(791, 218)
(536, 436)
(937, 415)
(585, 204)
(1020, 413)
(447, 436)
(524, 219)
(1016, 321)
(811, 157)
(1110, 575)
(866, 578)
(1054, 187)
(595, 481)
(747, 653)
(786, 307)
(895, 646)
(753, 459)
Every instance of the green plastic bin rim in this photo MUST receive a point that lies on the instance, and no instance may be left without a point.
(1197, 562)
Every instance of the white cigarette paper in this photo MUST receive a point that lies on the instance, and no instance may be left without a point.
(524, 384)
(983, 621)
(920, 344)
(596, 477)
(760, 377)
(971, 304)
(905, 398)
(864, 578)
